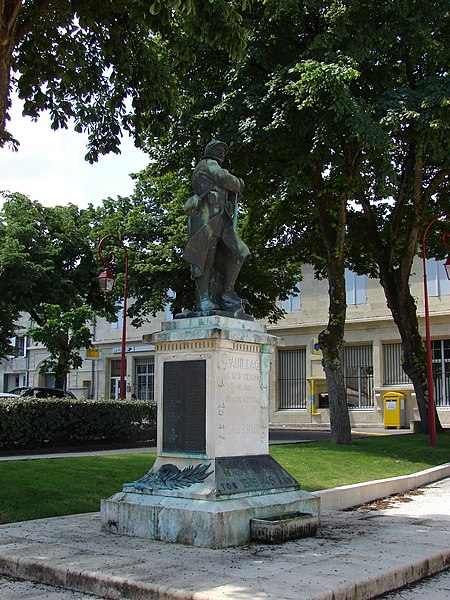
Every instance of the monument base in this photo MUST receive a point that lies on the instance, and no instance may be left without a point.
(202, 523)
(213, 473)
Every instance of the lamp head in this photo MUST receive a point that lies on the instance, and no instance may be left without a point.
(106, 281)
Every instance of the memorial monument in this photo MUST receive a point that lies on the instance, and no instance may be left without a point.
(213, 483)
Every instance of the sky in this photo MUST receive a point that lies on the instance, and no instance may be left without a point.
(49, 166)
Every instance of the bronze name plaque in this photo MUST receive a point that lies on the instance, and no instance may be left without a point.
(184, 406)
(237, 474)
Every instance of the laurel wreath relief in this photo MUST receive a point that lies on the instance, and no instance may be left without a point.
(170, 477)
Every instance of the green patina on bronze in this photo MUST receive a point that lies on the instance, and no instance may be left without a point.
(214, 250)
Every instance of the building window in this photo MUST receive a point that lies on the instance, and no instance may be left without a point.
(19, 343)
(114, 379)
(437, 282)
(358, 376)
(292, 379)
(441, 372)
(119, 323)
(355, 287)
(293, 301)
(49, 380)
(393, 373)
(144, 379)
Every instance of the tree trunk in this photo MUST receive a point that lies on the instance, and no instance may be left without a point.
(395, 279)
(339, 417)
(331, 342)
(332, 219)
(60, 377)
(4, 90)
(8, 23)
(404, 313)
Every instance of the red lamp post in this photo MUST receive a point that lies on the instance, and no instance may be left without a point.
(430, 379)
(106, 283)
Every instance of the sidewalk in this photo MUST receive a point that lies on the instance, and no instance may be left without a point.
(277, 436)
(357, 555)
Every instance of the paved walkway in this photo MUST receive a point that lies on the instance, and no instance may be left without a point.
(277, 436)
(358, 554)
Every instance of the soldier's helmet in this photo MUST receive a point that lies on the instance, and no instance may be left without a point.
(211, 148)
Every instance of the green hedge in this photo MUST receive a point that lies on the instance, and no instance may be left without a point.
(32, 422)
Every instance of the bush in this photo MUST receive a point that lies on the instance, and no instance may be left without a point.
(31, 423)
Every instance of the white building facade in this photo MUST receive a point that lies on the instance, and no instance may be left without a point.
(298, 392)
(372, 352)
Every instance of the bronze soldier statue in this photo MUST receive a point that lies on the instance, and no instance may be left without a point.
(214, 249)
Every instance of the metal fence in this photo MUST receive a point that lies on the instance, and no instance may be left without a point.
(144, 378)
(393, 373)
(292, 379)
(441, 372)
(357, 364)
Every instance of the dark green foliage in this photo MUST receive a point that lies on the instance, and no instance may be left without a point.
(337, 118)
(63, 334)
(34, 423)
(48, 269)
(107, 65)
(46, 255)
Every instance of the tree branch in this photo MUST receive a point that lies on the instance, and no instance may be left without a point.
(8, 21)
(33, 16)
(434, 184)
(383, 256)
(397, 212)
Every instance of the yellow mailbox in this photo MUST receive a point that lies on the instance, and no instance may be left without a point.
(394, 409)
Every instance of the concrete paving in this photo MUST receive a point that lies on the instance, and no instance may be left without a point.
(358, 554)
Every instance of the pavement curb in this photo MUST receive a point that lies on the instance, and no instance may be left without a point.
(346, 496)
(397, 578)
(117, 588)
(105, 586)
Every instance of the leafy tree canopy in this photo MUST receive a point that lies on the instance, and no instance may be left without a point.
(63, 334)
(46, 257)
(338, 110)
(82, 60)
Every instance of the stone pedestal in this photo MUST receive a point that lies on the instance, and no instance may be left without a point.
(213, 471)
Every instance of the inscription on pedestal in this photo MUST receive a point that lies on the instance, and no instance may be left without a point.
(184, 406)
(237, 474)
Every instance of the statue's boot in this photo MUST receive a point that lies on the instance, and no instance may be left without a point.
(204, 301)
(206, 304)
(229, 300)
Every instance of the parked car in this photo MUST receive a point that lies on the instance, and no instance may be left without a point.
(8, 395)
(18, 390)
(42, 392)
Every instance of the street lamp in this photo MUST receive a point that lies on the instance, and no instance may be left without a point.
(106, 282)
(430, 379)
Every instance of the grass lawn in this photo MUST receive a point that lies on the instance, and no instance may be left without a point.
(33, 489)
(321, 465)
